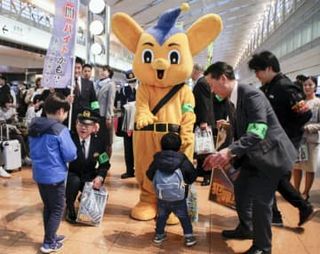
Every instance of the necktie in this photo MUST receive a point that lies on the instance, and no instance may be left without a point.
(83, 142)
(232, 118)
(77, 88)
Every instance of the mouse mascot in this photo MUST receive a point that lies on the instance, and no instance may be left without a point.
(162, 62)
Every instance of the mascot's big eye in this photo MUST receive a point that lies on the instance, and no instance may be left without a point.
(147, 56)
(174, 56)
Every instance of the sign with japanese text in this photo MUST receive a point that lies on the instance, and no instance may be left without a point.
(221, 189)
(58, 66)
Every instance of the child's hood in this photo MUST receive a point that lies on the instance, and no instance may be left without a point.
(42, 125)
(168, 161)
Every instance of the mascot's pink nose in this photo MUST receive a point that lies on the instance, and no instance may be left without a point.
(160, 64)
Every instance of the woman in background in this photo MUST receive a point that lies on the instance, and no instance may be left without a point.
(311, 138)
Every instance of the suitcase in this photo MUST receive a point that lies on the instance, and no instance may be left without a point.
(10, 152)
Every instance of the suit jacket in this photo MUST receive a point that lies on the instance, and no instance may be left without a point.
(87, 95)
(275, 154)
(203, 103)
(86, 168)
(106, 95)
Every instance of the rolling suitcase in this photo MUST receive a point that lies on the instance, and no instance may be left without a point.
(10, 151)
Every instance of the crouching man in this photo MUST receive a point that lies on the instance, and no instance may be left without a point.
(92, 163)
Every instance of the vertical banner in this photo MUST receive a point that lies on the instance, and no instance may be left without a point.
(59, 60)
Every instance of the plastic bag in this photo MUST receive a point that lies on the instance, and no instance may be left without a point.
(303, 154)
(92, 205)
(203, 141)
(192, 205)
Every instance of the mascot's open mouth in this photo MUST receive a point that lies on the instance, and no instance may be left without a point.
(160, 74)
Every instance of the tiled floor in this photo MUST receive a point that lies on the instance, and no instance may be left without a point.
(21, 224)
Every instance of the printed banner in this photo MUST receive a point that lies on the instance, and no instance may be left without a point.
(58, 65)
(221, 189)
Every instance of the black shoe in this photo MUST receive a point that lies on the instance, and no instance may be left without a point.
(255, 250)
(159, 238)
(71, 215)
(237, 234)
(277, 221)
(190, 241)
(307, 214)
(206, 181)
(126, 175)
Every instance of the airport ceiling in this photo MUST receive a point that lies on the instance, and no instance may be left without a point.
(239, 17)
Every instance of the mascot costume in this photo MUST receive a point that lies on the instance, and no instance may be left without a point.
(162, 62)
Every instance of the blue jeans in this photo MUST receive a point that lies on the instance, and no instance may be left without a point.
(179, 208)
(53, 198)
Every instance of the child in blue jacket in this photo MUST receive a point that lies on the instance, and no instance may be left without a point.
(51, 147)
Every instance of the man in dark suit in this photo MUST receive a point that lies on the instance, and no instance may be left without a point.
(84, 93)
(261, 151)
(92, 162)
(204, 112)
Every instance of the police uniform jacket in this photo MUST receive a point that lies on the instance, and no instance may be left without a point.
(94, 165)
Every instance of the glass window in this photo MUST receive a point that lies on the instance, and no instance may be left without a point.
(297, 39)
(316, 27)
(306, 33)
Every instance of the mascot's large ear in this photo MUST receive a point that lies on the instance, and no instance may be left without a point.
(203, 31)
(127, 30)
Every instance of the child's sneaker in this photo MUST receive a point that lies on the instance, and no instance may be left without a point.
(53, 247)
(190, 241)
(60, 238)
(159, 238)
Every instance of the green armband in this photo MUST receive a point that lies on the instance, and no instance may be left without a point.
(187, 108)
(94, 105)
(259, 129)
(219, 99)
(103, 158)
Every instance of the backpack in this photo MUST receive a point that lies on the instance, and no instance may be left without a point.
(169, 187)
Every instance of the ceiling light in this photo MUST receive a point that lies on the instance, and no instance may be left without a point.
(97, 6)
(96, 49)
(96, 27)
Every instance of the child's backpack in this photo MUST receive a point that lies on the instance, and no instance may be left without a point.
(169, 187)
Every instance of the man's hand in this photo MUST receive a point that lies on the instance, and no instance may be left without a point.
(222, 124)
(97, 182)
(217, 160)
(70, 99)
(300, 107)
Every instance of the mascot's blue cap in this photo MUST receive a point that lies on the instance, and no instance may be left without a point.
(166, 24)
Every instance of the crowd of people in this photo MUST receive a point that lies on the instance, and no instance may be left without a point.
(268, 133)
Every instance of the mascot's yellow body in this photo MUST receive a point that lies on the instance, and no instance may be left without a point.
(163, 59)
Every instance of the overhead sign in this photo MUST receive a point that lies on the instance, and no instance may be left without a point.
(12, 30)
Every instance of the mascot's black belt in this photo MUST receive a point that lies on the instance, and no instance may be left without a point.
(160, 127)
